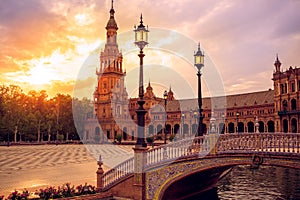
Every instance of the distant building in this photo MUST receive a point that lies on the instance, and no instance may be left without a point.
(114, 114)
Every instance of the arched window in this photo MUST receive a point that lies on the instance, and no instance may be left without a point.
(261, 127)
(284, 105)
(285, 126)
(185, 129)
(294, 125)
(240, 127)
(159, 128)
(231, 127)
(294, 104)
(250, 127)
(271, 126)
(176, 128)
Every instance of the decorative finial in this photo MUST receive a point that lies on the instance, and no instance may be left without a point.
(141, 19)
(112, 11)
(199, 46)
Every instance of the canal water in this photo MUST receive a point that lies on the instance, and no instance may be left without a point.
(266, 183)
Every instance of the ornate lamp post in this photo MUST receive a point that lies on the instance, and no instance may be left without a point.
(165, 129)
(141, 40)
(237, 121)
(199, 63)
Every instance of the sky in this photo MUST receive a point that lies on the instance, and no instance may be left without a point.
(44, 44)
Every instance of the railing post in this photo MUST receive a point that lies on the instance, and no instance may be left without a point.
(100, 173)
(140, 161)
(212, 142)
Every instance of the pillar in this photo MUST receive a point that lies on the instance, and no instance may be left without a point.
(140, 160)
(213, 136)
(100, 173)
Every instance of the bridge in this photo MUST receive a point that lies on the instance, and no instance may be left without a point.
(193, 165)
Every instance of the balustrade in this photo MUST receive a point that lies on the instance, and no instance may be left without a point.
(273, 143)
(118, 172)
(268, 142)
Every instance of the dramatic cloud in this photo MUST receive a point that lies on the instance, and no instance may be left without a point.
(53, 38)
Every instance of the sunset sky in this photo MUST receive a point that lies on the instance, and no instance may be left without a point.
(44, 43)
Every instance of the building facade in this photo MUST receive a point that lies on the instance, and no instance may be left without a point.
(114, 114)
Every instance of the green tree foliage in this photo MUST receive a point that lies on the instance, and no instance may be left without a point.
(36, 117)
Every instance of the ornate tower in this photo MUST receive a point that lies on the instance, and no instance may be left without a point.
(286, 98)
(110, 96)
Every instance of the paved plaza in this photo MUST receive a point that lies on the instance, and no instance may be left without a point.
(39, 166)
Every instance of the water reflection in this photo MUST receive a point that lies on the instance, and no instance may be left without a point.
(266, 183)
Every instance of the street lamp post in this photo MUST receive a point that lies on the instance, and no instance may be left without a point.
(199, 63)
(141, 40)
(237, 121)
(166, 116)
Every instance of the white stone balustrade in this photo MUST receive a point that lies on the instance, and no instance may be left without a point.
(270, 143)
(118, 172)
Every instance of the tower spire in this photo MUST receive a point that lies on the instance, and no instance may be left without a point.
(277, 64)
(111, 24)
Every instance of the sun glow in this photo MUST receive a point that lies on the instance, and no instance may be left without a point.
(43, 70)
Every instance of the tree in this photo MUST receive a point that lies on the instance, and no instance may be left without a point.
(11, 108)
(50, 117)
(38, 110)
(63, 113)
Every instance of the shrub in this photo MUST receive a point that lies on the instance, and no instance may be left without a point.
(150, 139)
(119, 138)
(171, 138)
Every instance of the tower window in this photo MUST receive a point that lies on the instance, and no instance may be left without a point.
(285, 88)
(293, 87)
(294, 104)
(284, 105)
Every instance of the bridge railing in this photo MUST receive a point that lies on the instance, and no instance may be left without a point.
(208, 144)
(270, 142)
(225, 143)
(176, 150)
(118, 172)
